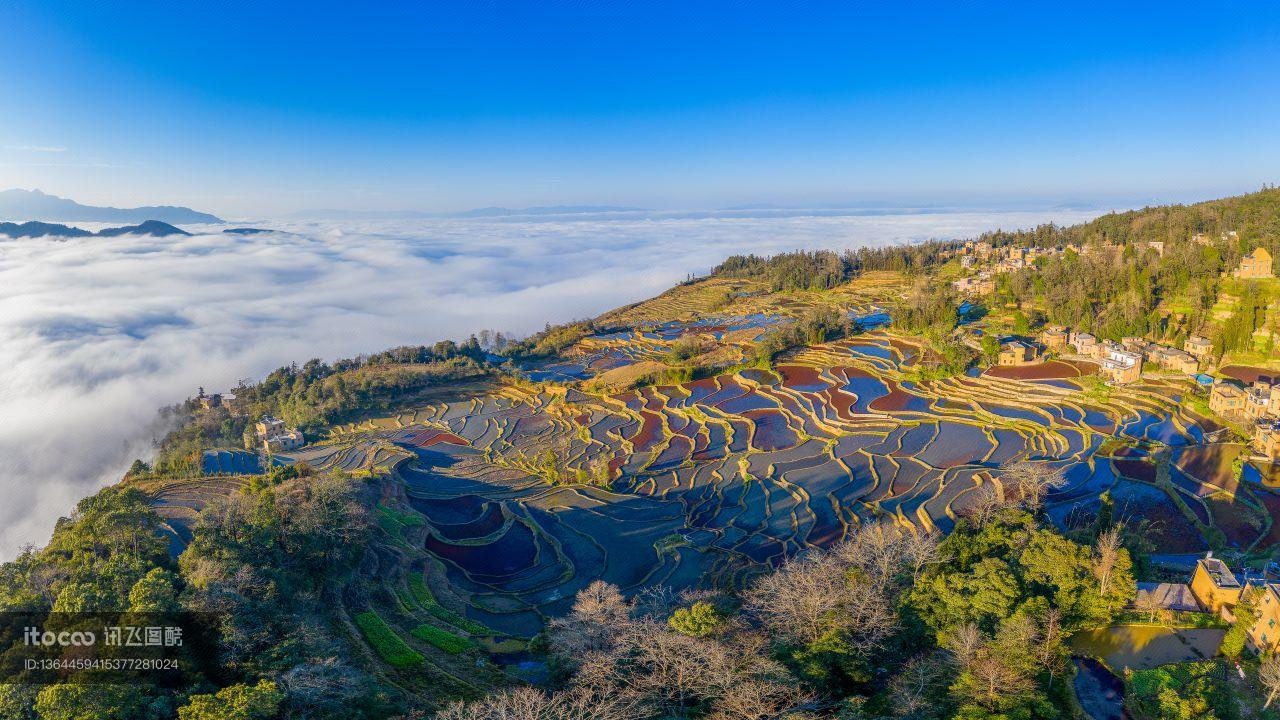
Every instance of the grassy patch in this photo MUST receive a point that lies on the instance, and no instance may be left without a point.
(399, 517)
(1096, 388)
(443, 639)
(422, 594)
(670, 542)
(1198, 404)
(385, 640)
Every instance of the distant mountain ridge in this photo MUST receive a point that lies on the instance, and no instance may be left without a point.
(36, 229)
(35, 205)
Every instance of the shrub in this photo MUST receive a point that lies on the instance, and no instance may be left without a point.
(698, 620)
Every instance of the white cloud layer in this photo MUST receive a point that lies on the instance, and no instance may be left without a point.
(97, 333)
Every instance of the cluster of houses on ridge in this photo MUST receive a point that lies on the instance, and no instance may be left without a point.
(991, 261)
(270, 433)
(1120, 362)
(994, 260)
(1215, 589)
(218, 400)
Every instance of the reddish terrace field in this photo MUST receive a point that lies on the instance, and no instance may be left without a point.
(1249, 375)
(1052, 370)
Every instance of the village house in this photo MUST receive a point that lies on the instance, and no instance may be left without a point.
(290, 439)
(1227, 399)
(1260, 399)
(966, 261)
(1156, 245)
(1174, 360)
(1054, 337)
(1010, 265)
(1135, 345)
(1085, 344)
(1105, 348)
(269, 425)
(1200, 346)
(1121, 366)
(1264, 634)
(233, 405)
(1255, 266)
(1219, 591)
(1016, 352)
(1167, 596)
(980, 285)
(275, 437)
(1266, 439)
(1214, 585)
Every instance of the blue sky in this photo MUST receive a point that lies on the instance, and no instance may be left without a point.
(248, 109)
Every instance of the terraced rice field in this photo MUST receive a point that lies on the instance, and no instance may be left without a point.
(178, 502)
(705, 481)
(516, 498)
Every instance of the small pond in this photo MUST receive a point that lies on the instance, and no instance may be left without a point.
(1142, 647)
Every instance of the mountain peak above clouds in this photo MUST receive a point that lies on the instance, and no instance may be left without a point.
(20, 204)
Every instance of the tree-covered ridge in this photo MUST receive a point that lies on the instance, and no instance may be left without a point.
(267, 561)
(1254, 218)
(1155, 272)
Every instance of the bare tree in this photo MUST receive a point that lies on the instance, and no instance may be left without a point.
(757, 700)
(991, 670)
(600, 617)
(814, 595)
(1031, 481)
(532, 704)
(1147, 602)
(992, 679)
(886, 553)
(964, 643)
(910, 688)
(1106, 554)
(669, 674)
(923, 549)
(1050, 652)
(320, 687)
(1269, 674)
(985, 502)
(876, 549)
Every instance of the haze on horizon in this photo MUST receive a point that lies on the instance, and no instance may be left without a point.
(259, 110)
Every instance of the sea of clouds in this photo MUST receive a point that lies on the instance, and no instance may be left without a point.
(97, 333)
